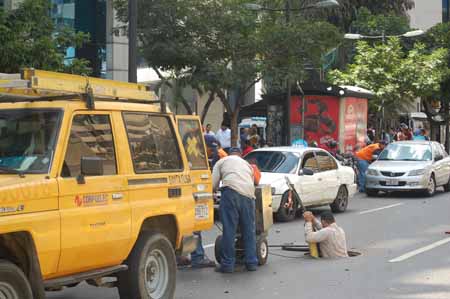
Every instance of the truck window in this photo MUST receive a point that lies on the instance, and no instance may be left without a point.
(153, 143)
(27, 139)
(191, 135)
(90, 136)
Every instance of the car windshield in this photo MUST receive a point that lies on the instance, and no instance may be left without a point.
(275, 162)
(27, 140)
(407, 152)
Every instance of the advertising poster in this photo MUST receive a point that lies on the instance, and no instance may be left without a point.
(355, 123)
(321, 118)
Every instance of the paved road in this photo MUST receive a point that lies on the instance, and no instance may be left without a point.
(405, 255)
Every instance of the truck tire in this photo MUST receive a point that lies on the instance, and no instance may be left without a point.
(13, 283)
(151, 269)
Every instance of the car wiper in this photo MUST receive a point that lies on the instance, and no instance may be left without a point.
(10, 170)
(409, 160)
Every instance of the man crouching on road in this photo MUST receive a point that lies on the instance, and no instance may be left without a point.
(328, 234)
(237, 206)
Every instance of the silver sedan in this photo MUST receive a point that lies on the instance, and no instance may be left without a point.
(410, 166)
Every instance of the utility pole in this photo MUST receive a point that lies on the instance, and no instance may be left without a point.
(132, 41)
(288, 83)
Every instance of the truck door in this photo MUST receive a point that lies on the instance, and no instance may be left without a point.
(191, 133)
(95, 214)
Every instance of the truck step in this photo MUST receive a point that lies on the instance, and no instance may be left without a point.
(79, 277)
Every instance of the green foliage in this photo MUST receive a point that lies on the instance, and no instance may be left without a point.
(396, 78)
(439, 37)
(348, 11)
(28, 39)
(367, 23)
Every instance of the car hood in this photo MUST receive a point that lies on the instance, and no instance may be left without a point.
(26, 194)
(275, 180)
(399, 166)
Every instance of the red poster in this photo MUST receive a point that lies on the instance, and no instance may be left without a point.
(355, 123)
(321, 118)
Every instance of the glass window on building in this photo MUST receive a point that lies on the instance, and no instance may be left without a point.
(88, 16)
(445, 10)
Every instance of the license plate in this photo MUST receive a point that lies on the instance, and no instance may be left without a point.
(392, 183)
(201, 212)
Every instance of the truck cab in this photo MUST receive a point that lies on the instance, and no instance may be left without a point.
(97, 180)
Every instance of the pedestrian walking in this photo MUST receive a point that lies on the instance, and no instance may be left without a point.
(237, 207)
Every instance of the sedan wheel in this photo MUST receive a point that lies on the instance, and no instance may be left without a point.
(340, 203)
(288, 208)
(431, 189)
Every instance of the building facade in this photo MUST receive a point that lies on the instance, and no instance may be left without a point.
(428, 13)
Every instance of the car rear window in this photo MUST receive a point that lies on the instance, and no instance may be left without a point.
(275, 162)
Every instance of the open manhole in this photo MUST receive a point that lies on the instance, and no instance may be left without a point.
(305, 248)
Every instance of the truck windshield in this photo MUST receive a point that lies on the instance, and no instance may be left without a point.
(27, 140)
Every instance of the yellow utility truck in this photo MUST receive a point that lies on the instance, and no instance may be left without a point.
(98, 183)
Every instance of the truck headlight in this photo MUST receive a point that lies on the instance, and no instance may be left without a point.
(417, 172)
(372, 172)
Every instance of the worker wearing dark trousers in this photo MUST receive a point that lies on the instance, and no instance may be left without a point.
(237, 207)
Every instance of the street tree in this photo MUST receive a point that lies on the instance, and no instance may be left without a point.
(28, 38)
(396, 77)
(225, 49)
(437, 106)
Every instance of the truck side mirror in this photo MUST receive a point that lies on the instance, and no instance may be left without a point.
(438, 158)
(90, 166)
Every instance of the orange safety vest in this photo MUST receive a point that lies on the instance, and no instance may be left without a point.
(366, 153)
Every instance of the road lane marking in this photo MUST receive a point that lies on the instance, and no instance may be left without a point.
(419, 251)
(209, 246)
(382, 208)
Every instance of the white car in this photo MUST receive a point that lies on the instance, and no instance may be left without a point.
(318, 178)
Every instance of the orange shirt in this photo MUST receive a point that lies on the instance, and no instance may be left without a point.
(366, 153)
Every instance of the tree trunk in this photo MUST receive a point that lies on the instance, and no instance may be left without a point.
(186, 106)
(212, 97)
(234, 128)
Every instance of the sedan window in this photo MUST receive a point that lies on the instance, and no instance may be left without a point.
(310, 162)
(275, 162)
(326, 163)
(406, 152)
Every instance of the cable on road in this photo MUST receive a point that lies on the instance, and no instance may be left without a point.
(287, 256)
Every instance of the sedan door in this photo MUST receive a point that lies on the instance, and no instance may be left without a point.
(439, 165)
(310, 187)
(328, 176)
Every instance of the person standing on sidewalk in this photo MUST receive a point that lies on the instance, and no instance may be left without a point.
(237, 207)
(224, 137)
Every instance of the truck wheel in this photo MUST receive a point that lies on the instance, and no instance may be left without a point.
(262, 250)
(218, 248)
(13, 283)
(339, 205)
(287, 214)
(151, 269)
